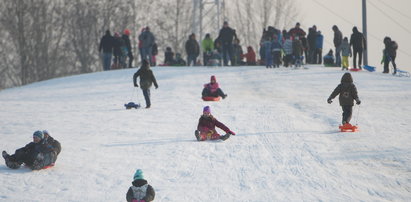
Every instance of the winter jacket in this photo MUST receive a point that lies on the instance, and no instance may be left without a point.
(192, 47)
(146, 78)
(288, 47)
(169, 57)
(140, 190)
(147, 39)
(357, 40)
(346, 90)
(107, 43)
(237, 52)
(311, 38)
(208, 123)
(319, 41)
(55, 145)
(127, 42)
(345, 49)
(297, 48)
(207, 44)
(390, 48)
(337, 38)
(119, 47)
(212, 87)
(227, 35)
(29, 153)
(296, 32)
(250, 56)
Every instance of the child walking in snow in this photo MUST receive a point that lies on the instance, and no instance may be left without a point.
(141, 191)
(347, 94)
(146, 80)
(345, 52)
(213, 89)
(206, 127)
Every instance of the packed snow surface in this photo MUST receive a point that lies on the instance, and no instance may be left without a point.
(287, 148)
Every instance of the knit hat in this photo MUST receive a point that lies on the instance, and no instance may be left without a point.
(213, 78)
(207, 109)
(138, 175)
(38, 134)
(127, 32)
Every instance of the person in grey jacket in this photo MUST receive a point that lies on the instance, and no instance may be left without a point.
(345, 52)
(146, 81)
(141, 191)
(147, 39)
(347, 94)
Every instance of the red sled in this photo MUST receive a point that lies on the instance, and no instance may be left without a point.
(355, 69)
(348, 128)
(211, 98)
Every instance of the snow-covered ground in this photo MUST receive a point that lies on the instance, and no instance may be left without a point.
(287, 147)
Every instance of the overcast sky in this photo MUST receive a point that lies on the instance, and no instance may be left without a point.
(385, 18)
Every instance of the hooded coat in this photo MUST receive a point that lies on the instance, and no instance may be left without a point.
(146, 77)
(357, 40)
(346, 90)
(140, 186)
(208, 123)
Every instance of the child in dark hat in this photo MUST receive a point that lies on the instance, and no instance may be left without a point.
(147, 79)
(206, 127)
(347, 94)
(141, 191)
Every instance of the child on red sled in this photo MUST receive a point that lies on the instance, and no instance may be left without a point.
(213, 89)
(206, 127)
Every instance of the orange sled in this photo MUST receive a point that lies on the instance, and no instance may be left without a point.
(348, 128)
(211, 98)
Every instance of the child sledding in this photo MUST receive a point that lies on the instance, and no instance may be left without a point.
(212, 91)
(206, 127)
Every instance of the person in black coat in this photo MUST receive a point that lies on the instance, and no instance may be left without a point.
(106, 48)
(390, 52)
(357, 41)
(126, 38)
(347, 94)
(338, 38)
(146, 81)
(226, 37)
(141, 190)
(192, 50)
(36, 155)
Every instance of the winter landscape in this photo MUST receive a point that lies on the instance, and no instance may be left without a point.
(287, 145)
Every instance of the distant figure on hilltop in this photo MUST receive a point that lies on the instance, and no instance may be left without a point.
(192, 50)
(389, 54)
(147, 41)
(338, 37)
(106, 49)
(146, 81)
(345, 52)
(226, 37)
(250, 56)
(357, 41)
(141, 191)
(208, 46)
(126, 38)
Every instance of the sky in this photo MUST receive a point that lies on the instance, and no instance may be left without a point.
(384, 18)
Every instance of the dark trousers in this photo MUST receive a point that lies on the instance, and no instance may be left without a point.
(318, 56)
(387, 60)
(130, 60)
(146, 93)
(359, 52)
(228, 53)
(207, 93)
(347, 113)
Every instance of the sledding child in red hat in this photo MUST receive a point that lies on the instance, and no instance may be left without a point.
(213, 89)
(206, 127)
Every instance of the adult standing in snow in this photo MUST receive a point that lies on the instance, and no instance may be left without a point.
(338, 37)
(147, 39)
(36, 155)
(390, 52)
(192, 49)
(347, 94)
(141, 191)
(106, 49)
(206, 127)
(296, 31)
(146, 81)
(357, 41)
(226, 37)
(126, 38)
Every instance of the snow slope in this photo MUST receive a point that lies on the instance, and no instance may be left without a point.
(287, 146)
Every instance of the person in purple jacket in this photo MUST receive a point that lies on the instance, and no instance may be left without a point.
(206, 127)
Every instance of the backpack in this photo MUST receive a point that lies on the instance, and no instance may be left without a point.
(139, 192)
(394, 45)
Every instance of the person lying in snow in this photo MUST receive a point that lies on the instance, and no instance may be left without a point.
(35, 155)
(213, 89)
(206, 127)
(141, 191)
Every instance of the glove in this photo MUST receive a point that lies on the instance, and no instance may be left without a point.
(358, 101)
(329, 101)
(135, 85)
(231, 132)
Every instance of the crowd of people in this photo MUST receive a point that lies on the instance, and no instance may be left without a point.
(276, 48)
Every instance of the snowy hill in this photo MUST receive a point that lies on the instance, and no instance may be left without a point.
(287, 146)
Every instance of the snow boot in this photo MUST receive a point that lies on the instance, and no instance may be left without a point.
(225, 137)
(5, 155)
(197, 134)
(10, 164)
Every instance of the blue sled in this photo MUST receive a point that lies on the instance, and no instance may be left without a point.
(132, 105)
(369, 68)
(401, 73)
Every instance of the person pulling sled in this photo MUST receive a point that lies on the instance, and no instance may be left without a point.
(206, 127)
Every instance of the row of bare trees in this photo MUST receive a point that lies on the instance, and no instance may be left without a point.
(43, 39)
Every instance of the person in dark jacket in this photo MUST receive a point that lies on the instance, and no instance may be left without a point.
(126, 38)
(141, 191)
(35, 155)
(147, 41)
(106, 48)
(192, 49)
(120, 51)
(390, 52)
(338, 37)
(347, 94)
(226, 37)
(357, 41)
(146, 81)
(206, 127)
(169, 57)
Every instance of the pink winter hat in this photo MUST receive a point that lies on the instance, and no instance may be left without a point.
(213, 78)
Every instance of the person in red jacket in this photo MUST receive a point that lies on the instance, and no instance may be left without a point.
(250, 56)
(206, 127)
